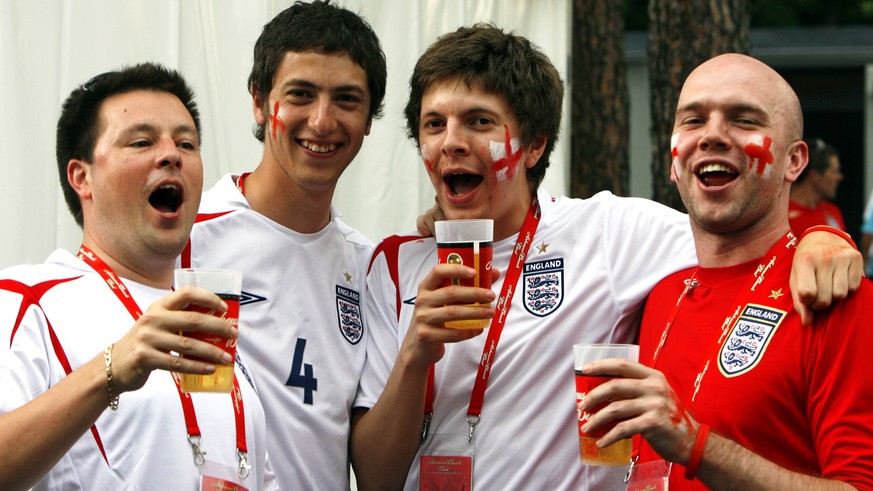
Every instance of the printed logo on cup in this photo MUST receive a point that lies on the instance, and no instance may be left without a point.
(231, 317)
(468, 254)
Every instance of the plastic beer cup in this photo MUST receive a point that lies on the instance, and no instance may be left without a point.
(619, 453)
(227, 284)
(467, 242)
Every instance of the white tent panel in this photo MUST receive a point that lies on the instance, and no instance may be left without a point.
(48, 47)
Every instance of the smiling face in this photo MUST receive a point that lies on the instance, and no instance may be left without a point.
(316, 118)
(141, 192)
(474, 160)
(737, 146)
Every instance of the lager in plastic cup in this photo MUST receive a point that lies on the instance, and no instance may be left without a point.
(619, 453)
(227, 284)
(467, 242)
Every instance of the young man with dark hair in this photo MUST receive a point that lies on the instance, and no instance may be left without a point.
(317, 82)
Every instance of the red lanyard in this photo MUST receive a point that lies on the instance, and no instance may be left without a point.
(519, 253)
(776, 253)
(239, 183)
(194, 435)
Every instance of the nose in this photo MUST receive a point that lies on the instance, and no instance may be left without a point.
(322, 118)
(715, 135)
(454, 141)
(168, 153)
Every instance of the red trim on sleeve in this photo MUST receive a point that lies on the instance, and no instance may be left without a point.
(390, 247)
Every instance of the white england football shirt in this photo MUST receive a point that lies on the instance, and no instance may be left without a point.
(146, 440)
(590, 266)
(301, 328)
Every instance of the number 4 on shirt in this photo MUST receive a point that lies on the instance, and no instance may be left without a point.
(301, 374)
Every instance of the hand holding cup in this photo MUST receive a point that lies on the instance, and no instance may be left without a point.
(227, 284)
(467, 242)
(618, 453)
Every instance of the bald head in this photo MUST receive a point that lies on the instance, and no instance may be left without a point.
(734, 73)
(737, 148)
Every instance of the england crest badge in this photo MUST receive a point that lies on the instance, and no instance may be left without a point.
(543, 286)
(348, 309)
(748, 339)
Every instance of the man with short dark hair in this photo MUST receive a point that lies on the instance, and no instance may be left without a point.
(813, 192)
(317, 83)
(81, 330)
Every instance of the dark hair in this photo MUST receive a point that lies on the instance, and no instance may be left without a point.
(820, 154)
(502, 64)
(79, 125)
(318, 26)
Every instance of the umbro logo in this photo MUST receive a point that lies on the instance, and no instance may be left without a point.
(409, 301)
(246, 298)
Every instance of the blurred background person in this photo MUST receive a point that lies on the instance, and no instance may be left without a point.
(813, 191)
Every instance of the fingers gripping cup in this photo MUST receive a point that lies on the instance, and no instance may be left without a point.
(619, 453)
(467, 242)
(227, 284)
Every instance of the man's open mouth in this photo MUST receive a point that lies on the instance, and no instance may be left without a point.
(461, 184)
(714, 175)
(167, 198)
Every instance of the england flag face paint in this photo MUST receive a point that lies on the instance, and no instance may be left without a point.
(674, 152)
(505, 156)
(277, 119)
(760, 157)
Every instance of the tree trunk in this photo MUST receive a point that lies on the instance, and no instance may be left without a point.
(682, 35)
(599, 100)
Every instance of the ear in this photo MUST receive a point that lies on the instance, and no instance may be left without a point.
(798, 157)
(369, 125)
(79, 177)
(258, 106)
(535, 150)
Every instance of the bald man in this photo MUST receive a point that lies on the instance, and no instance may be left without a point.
(742, 395)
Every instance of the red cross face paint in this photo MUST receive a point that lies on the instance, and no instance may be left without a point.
(674, 152)
(760, 157)
(506, 156)
(276, 119)
(428, 163)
